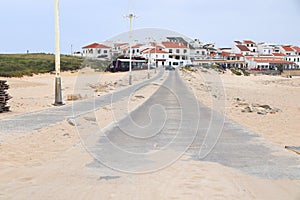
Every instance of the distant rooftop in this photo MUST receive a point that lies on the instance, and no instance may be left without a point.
(96, 45)
(242, 47)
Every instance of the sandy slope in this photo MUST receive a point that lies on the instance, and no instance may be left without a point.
(52, 164)
(277, 92)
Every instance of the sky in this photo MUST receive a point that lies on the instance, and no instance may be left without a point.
(29, 24)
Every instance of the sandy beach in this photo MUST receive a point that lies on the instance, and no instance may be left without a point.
(52, 163)
(241, 91)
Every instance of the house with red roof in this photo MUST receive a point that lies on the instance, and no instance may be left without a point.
(97, 50)
(297, 52)
(269, 62)
(242, 49)
(251, 46)
(177, 51)
(156, 55)
(292, 54)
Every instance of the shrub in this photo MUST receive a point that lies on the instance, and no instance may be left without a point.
(236, 72)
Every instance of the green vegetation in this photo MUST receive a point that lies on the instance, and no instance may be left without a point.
(234, 71)
(188, 68)
(97, 65)
(245, 72)
(18, 65)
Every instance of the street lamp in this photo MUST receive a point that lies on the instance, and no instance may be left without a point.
(149, 62)
(149, 56)
(155, 57)
(58, 95)
(130, 17)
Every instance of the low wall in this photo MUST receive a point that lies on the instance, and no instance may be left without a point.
(295, 72)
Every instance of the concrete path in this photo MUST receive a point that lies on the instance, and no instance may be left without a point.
(172, 122)
(37, 120)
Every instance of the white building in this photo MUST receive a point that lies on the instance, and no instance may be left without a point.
(251, 46)
(265, 49)
(242, 49)
(96, 50)
(157, 56)
(178, 52)
(297, 52)
(292, 54)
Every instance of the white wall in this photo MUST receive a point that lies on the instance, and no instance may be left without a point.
(95, 52)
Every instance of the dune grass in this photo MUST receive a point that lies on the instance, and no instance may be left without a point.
(18, 65)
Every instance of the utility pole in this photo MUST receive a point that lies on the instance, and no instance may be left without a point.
(131, 16)
(58, 95)
(155, 57)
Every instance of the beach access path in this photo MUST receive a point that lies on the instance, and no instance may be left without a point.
(171, 123)
(26, 123)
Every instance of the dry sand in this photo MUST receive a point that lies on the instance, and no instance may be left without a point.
(37, 92)
(52, 163)
(276, 91)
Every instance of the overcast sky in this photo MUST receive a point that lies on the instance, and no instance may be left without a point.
(29, 24)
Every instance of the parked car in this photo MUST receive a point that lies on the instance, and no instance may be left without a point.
(169, 67)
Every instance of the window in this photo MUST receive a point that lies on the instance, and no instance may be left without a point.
(177, 57)
(203, 53)
(170, 51)
(185, 51)
(105, 51)
(99, 51)
(198, 52)
(177, 50)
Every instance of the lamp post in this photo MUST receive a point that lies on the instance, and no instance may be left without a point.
(155, 57)
(58, 95)
(130, 17)
(149, 54)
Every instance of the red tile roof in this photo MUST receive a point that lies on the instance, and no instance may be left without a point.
(272, 61)
(287, 48)
(279, 54)
(158, 51)
(296, 48)
(238, 42)
(248, 42)
(152, 51)
(96, 45)
(227, 54)
(242, 47)
(174, 45)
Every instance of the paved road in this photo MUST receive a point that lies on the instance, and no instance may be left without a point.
(37, 120)
(173, 122)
